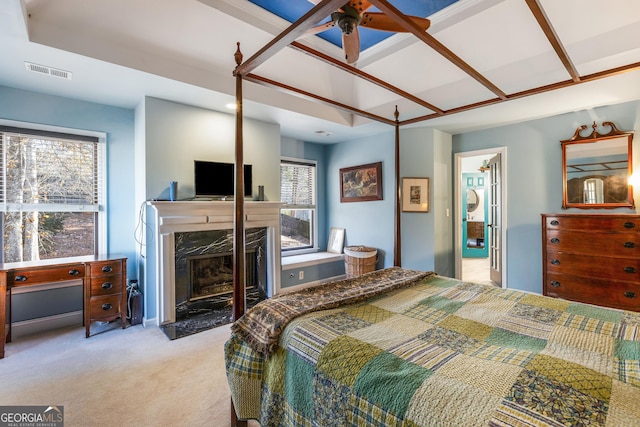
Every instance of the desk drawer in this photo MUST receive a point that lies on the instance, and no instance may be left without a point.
(35, 276)
(105, 307)
(105, 267)
(106, 285)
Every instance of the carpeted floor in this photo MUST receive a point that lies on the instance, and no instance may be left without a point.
(131, 377)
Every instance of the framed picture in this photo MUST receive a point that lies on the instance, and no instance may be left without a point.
(415, 194)
(361, 183)
(336, 240)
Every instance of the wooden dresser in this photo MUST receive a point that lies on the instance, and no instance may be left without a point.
(103, 280)
(592, 258)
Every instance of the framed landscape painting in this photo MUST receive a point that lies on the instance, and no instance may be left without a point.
(361, 183)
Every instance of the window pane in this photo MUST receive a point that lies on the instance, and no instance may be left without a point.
(297, 183)
(296, 228)
(49, 171)
(58, 235)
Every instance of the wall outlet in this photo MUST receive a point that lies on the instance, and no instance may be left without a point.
(301, 275)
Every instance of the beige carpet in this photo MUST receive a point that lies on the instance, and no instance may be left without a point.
(131, 377)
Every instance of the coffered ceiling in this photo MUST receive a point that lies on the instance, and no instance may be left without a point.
(481, 63)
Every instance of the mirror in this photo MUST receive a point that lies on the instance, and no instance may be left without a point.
(472, 200)
(596, 169)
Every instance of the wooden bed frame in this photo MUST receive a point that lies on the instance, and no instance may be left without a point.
(318, 13)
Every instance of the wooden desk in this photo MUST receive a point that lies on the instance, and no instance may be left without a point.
(103, 281)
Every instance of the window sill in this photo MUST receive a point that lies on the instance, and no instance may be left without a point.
(297, 261)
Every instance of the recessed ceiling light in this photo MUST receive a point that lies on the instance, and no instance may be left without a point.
(323, 133)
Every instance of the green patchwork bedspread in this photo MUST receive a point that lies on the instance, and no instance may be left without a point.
(443, 352)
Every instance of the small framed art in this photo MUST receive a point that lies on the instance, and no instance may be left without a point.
(415, 194)
(336, 240)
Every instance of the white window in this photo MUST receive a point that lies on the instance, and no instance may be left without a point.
(298, 219)
(51, 194)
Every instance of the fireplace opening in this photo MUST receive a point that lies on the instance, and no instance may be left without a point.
(212, 274)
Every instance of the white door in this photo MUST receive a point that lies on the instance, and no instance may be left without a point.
(495, 220)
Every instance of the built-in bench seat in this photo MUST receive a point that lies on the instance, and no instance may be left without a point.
(312, 269)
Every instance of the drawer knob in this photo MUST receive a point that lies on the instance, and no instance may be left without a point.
(629, 270)
(630, 294)
(629, 245)
(107, 269)
(555, 284)
(107, 285)
(555, 240)
(629, 224)
(20, 278)
(106, 306)
(73, 272)
(555, 222)
(555, 261)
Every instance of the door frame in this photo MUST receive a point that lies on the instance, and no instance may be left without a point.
(457, 197)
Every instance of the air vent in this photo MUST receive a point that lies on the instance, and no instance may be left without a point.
(43, 69)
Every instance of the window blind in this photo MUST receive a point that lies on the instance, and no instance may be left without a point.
(297, 183)
(48, 168)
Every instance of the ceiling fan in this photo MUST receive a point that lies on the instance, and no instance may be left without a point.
(354, 14)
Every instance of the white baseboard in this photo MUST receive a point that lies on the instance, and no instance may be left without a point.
(41, 324)
(149, 322)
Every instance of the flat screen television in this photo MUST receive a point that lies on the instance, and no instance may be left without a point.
(215, 179)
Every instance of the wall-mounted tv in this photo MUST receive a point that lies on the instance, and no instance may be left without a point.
(215, 179)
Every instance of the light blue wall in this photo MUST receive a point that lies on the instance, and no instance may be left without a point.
(366, 223)
(534, 178)
(177, 134)
(426, 242)
(311, 151)
(118, 124)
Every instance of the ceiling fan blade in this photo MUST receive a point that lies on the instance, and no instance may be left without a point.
(351, 46)
(380, 21)
(360, 5)
(319, 28)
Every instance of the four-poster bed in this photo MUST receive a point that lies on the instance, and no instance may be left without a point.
(401, 347)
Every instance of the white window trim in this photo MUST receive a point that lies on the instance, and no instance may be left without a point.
(315, 248)
(101, 227)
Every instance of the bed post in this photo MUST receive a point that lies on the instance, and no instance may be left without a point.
(397, 245)
(238, 220)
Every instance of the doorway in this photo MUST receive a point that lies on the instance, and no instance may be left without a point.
(480, 210)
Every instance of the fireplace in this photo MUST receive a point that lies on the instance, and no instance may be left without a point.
(174, 223)
(204, 270)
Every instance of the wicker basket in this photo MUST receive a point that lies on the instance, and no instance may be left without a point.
(359, 260)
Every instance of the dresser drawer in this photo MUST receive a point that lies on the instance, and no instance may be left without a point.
(33, 276)
(105, 267)
(592, 222)
(621, 244)
(625, 269)
(104, 307)
(607, 293)
(106, 285)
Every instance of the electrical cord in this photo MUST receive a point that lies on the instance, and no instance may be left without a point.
(132, 291)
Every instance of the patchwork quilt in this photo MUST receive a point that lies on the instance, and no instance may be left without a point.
(442, 352)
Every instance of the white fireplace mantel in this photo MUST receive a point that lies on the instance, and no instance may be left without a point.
(186, 216)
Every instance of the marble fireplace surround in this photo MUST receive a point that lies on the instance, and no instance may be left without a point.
(188, 216)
